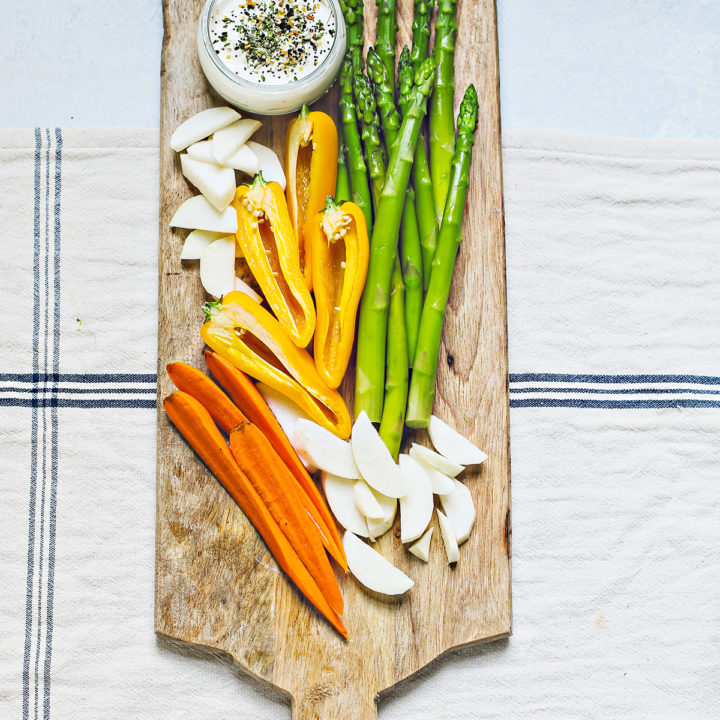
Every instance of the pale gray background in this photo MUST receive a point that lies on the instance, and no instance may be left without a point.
(636, 68)
(608, 67)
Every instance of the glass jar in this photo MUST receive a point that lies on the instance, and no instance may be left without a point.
(262, 98)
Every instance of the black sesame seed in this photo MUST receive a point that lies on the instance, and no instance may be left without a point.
(269, 37)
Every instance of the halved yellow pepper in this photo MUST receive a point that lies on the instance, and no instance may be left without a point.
(248, 336)
(311, 153)
(340, 260)
(268, 243)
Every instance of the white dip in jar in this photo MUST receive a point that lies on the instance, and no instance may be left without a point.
(271, 56)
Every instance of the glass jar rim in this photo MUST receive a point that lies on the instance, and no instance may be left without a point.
(308, 80)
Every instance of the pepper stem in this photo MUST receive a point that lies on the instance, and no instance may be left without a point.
(211, 308)
(330, 204)
(258, 181)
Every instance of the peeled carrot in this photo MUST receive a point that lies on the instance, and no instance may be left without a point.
(227, 416)
(197, 427)
(277, 487)
(248, 398)
(267, 472)
(196, 383)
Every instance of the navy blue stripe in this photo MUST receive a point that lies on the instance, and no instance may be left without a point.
(37, 377)
(46, 315)
(40, 559)
(51, 561)
(76, 403)
(56, 252)
(564, 377)
(34, 390)
(46, 274)
(33, 433)
(614, 404)
(53, 432)
(610, 391)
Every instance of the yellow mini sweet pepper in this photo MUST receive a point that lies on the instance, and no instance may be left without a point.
(248, 336)
(268, 243)
(311, 153)
(340, 261)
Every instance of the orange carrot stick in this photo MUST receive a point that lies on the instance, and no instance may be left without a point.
(198, 428)
(248, 398)
(196, 383)
(277, 487)
(267, 472)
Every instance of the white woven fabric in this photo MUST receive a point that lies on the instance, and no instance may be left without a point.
(613, 252)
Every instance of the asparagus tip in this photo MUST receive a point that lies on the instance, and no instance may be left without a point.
(425, 73)
(467, 116)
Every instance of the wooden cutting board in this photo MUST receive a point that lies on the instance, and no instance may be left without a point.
(217, 587)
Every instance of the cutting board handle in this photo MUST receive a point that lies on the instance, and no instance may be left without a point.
(322, 703)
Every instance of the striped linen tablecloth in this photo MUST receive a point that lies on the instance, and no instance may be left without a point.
(613, 257)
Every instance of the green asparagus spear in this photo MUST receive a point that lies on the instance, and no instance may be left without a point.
(424, 202)
(411, 263)
(420, 31)
(424, 198)
(385, 43)
(372, 333)
(396, 375)
(422, 383)
(406, 80)
(342, 187)
(442, 126)
(357, 169)
(353, 13)
(389, 116)
(370, 133)
(410, 248)
(399, 330)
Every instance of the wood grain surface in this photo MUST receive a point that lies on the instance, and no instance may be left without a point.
(217, 587)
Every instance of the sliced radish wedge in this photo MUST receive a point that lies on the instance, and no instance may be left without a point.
(196, 213)
(452, 444)
(460, 510)
(217, 267)
(202, 151)
(323, 450)
(421, 549)
(448, 536)
(242, 286)
(244, 160)
(443, 464)
(366, 502)
(230, 139)
(202, 125)
(374, 460)
(339, 494)
(197, 242)
(381, 526)
(416, 508)
(286, 412)
(269, 163)
(439, 482)
(372, 569)
(216, 183)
